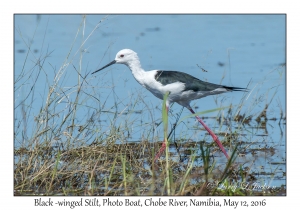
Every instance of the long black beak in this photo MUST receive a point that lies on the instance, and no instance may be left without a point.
(111, 63)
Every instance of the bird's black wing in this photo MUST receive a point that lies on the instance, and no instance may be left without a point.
(191, 83)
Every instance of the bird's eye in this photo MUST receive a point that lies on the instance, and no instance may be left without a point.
(121, 55)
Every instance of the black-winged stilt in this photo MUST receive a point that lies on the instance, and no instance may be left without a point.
(182, 87)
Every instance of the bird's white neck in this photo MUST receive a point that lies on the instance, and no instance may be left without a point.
(137, 71)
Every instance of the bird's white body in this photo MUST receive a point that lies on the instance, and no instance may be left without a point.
(176, 90)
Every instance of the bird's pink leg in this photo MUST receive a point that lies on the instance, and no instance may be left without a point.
(215, 138)
(163, 146)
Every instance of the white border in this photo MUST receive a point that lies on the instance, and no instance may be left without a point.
(8, 201)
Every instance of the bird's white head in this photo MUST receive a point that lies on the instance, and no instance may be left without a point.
(125, 56)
